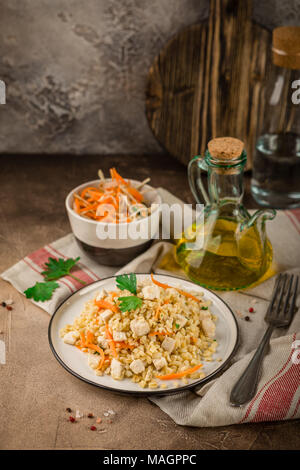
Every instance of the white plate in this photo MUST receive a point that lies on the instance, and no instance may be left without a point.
(75, 362)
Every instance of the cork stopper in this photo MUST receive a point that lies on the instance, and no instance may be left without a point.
(286, 47)
(225, 148)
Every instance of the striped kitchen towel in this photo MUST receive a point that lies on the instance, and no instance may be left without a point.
(277, 397)
(27, 272)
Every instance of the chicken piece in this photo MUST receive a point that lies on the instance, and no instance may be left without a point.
(180, 321)
(119, 336)
(101, 294)
(159, 363)
(204, 314)
(137, 366)
(148, 375)
(116, 369)
(208, 327)
(168, 344)
(71, 337)
(102, 341)
(151, 292)
(106, 315)
(93, 360)
(139, 327)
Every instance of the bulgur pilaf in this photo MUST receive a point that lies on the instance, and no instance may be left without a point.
(160, 334)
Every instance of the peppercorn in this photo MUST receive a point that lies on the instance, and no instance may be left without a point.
(8, 307)
(251, 309)
(90, 415)
(93, 428)
(247, 318)
(72, 419)
(68, 410)
(3, 304)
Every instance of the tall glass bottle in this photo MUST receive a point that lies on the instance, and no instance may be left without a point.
(276, 165)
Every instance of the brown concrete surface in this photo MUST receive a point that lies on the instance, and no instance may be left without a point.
(34, 389)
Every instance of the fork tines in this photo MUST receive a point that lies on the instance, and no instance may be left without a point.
(283, 300)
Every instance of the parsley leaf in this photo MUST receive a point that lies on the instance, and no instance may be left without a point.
(127, 281)
(129, 303)
(204, 308)
(177, 326)
(57, 268)
(41, 291)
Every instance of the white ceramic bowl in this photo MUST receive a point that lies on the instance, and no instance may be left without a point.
(115, 244)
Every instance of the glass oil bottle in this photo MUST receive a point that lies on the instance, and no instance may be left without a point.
(236, 251)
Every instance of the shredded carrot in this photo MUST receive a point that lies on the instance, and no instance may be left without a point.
(103, 304)
(77, 205)
(112, 343)
(88, 208)
(187, 294)
(166, 286)
(107, 362)
(135, 193)
(107, 331)
(160, 284)
(82, 337)
(115, 175)
(123, 345)
(110, 200)
(94, 347)
(89, 188)
(163, 333)
(90, 338)
(94, 195)
(178, 375)
(156, 316)
(117, 201)
(113, 294)
(99, 350)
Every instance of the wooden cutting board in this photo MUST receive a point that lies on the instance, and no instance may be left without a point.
(208, 82)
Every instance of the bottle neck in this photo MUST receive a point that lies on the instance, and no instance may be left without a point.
(225, 186)
(225, 179)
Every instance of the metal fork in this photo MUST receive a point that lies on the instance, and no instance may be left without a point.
(279, 314)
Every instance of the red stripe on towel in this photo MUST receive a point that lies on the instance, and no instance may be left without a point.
(296, 213)
(277, 399)
(250, 406)
(39, 257)
(294, 217)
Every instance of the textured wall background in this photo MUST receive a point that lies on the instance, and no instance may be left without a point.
(76, 70)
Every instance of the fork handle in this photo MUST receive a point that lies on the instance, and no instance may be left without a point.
(246, 386)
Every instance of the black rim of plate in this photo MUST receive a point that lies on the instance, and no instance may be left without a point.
(161, 392)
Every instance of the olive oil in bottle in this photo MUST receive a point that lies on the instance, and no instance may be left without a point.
(230, 259)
